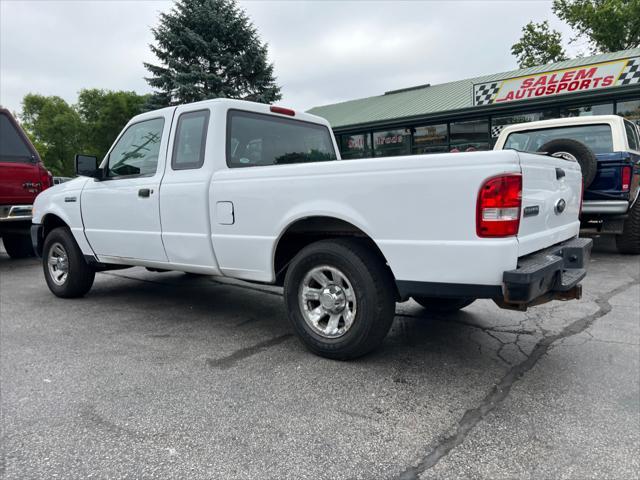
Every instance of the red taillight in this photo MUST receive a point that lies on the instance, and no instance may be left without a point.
(46, 179)
(283, 111)
(626, 178)
(498, 209)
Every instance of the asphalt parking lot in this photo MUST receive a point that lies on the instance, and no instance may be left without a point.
(165, 375)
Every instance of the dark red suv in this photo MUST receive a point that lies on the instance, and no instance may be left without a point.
(22, 177)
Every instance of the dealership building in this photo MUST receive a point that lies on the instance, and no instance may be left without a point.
(469, 114)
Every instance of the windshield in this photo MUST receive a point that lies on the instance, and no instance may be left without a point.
(596, 137)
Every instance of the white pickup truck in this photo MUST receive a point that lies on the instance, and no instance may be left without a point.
(259, 193)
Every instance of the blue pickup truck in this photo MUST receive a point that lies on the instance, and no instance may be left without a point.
(608, 150)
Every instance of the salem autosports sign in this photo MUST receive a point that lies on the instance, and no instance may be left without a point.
(615, 73)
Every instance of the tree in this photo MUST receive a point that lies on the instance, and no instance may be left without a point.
(209, 49)
(609, 25)
(538, 45)
(59, 130)
(104, 113)
(55, 129)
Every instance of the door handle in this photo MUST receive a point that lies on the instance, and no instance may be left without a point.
(559, 173)
(144, 192)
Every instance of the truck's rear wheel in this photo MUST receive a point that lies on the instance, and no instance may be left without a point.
(629, 240)
(18, 246)
(67, 273)
(443, 305)
(340, 298)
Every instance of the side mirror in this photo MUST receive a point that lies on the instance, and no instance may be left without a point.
(87, 166)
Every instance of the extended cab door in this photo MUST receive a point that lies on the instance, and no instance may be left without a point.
(121, 213)
(185, 189)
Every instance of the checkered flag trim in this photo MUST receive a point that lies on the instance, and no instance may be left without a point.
(631, 73)
(496, 130)
(484, 93)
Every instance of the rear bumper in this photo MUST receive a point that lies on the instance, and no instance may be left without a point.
(609, 207)
(553, 273)
(550, 274)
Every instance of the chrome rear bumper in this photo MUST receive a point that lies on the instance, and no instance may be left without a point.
(605, 206)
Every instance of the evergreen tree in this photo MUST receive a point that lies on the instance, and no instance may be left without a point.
(209, 49)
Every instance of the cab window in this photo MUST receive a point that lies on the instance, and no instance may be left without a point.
(632, 136)
(13, 147)
(191, 137)
(137, 150)
(597, 137)
(255, 139)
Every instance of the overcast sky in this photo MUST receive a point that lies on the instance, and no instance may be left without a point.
(324, 51)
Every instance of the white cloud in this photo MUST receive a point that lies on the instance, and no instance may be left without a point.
(324, 51)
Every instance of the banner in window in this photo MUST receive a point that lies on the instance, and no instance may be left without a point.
(616, 73)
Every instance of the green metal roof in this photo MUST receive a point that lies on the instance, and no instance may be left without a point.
(436, 98)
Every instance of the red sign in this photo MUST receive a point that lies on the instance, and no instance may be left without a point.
(577, 79)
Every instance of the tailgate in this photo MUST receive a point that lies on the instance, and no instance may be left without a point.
(19, 170)
(19, 183)
(551, 190)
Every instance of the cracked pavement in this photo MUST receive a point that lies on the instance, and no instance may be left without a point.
(164, 375)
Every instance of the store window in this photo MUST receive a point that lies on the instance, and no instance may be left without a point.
(498, 123)
(587, 110)
(470, 136)
(430, 139)
(355, 146)
(629, 109)
(390, 143)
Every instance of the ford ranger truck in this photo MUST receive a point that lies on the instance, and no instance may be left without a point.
(22, 177)
(259, 193)
(608, 150)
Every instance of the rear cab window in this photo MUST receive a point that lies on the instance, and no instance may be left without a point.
(13, 147)
(256, 139)
(597, 137)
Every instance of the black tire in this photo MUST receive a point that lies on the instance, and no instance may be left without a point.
(629, 241)
(372, 286)
(443, 305)
(80, 275)
(583, 154)
(18, 246)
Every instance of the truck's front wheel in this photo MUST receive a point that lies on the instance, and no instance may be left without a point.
(67, 273)
(340, 298)
(629, 240)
